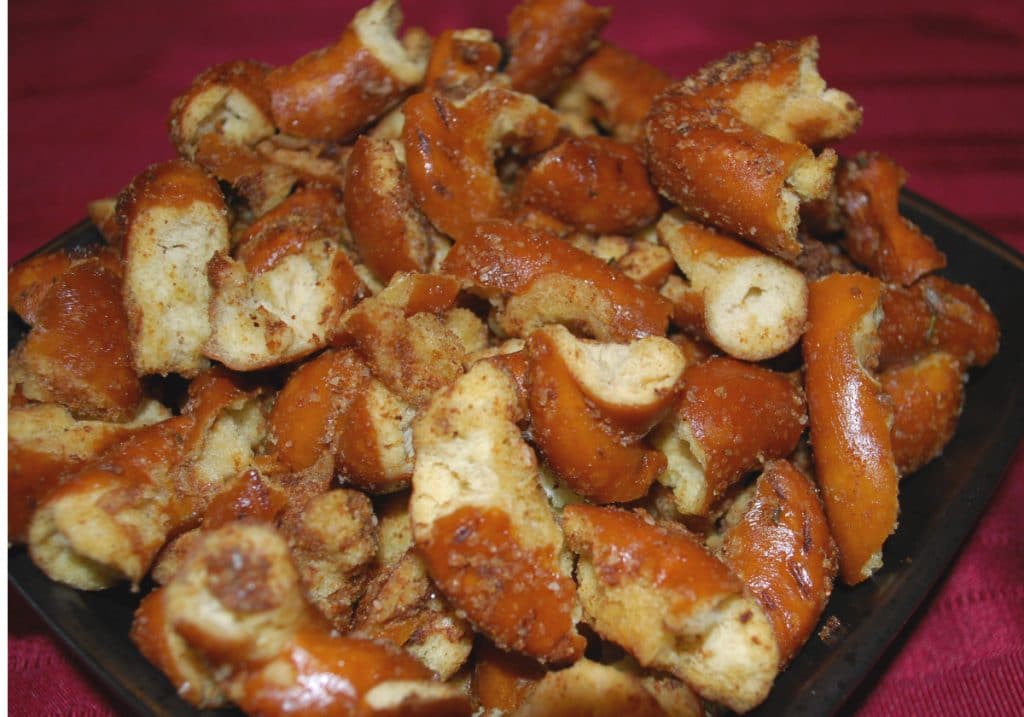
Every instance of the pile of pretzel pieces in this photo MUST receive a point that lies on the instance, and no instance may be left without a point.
(405, 348)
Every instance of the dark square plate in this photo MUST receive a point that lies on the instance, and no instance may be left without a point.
(939, 507)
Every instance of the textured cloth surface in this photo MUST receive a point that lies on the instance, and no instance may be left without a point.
(943, 90)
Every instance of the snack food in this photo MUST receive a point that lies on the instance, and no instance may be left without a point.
(412, 377)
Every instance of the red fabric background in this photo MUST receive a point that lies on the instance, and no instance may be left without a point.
(943, 91)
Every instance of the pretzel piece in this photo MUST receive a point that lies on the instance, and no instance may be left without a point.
(927, 397)
(82, 308)
(754, 305)
(876, 236)
(616, 89)
(109, 520)
(595, 184)
(728, 174)
(373, 443)
(653, 589)
(405, 343)
(332, 93)
(230, 99)
(547, 39)
(936, 314)
(729, 143)
(390, 233)
(302, 424)
(451, 147)
(174, 220)
(45, 443)
(732, 417)
(482, 523)
(783, 551)
(401, 605)
(597, 452)
(541, 279)
(776, 88)
(266, 318)
(850, 420)
(332, 540)
(462, 60)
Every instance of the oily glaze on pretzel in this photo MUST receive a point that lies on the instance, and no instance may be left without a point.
(332, 93)
(547, 39)
(451, 147)
(730, 143)
(783, 551)
(389, 232)
(29, 281)
(303, 421)
(850, 420)
(936, 314)
(600, 461)
(927, 397)
(546, 276)
(758, 181)
(83, 309)
(653, 589)
(875, 235)
(751, 305)
(731, 418)
(461, 61)
(594, 184)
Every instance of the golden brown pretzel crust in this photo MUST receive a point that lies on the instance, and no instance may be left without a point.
(304, 420)
(332, 93)
(876, 236)
(595, 184)
(597, 460)
(390, 233)
(936, 314)
(547, 39)
(503, 258)
(461, 61)
(722, 170)
(620, 88)
(850, 420)
(451, 147)
(783, 550)
(83, 309)
(927, 397)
